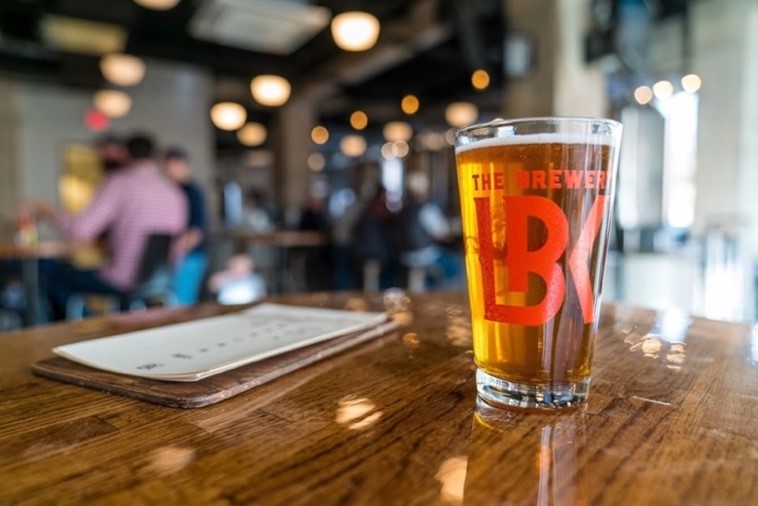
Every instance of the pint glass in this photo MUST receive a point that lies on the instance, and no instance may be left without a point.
(536, 200)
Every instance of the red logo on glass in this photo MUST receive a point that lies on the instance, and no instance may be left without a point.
(543, 262)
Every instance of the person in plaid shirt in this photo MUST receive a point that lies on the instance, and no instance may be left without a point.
(133, 203)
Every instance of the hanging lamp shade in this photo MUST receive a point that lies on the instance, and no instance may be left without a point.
(359, 120)
(480, 79)
(122, 69)
(355, 30)
(252, 134)
(663, 89)
(157, 5)
(409, 104)
(397, 131)
(228, 115)
(320, 134)
(270, 90)
(316, 162)
(353, 145)
(461, 114)
(691, 83)
(112, 103)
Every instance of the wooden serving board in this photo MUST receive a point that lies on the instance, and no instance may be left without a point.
(210, 390)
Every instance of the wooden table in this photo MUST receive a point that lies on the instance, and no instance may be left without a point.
(45, 249)
(672, 419)
(278, 238)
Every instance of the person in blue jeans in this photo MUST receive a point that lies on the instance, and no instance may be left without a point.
(190, 271)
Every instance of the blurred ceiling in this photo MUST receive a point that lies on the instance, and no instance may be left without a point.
(426, 47)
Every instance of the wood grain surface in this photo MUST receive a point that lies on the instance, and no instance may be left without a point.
(671, 419)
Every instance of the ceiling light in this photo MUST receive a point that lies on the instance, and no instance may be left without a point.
(480, 79)
(691, 83)
(397, 131)
(359, 120)
(663, 89)
(228, 115)
(73, 35)
(270, 90)
(409, 104)
(157, 5)
(432, 141)
(112, 103)
(396, 149)
(389, 150)
(401, 148)
(643, 95)
(122, 69)
(252, 134)
(320, 134)
(355, 31)
(316, 162)
(353, 145)
(461, 114)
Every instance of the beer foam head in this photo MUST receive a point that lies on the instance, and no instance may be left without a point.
(510, 139)
(548, 130)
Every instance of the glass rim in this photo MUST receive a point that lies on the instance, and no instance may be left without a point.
(500, 122)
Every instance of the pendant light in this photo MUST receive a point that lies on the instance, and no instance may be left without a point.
(355, 30)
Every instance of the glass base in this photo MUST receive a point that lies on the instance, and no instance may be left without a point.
(507, 394)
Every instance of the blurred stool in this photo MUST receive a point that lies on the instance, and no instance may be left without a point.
(9, 320)
(372, 269)
(154, 283)
(417, 279)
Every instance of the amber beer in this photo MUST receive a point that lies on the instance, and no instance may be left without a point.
(535, 198)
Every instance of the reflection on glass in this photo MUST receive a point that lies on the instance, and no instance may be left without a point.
(169, 459)
(397, 304)
(496, 472)
(411, 340)
(452, 476)
(671, 325)
(396, 300)
(666, 338)
(356, 304)
(458, 330)
(357, 413)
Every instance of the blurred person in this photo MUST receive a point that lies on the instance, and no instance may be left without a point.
(318, 259)
(256, 217)
(238, 283)
(423, 227)
(344, 229)
(113, 153)
(189, 273)
(132, 203)
(314, 215)
(376, 233)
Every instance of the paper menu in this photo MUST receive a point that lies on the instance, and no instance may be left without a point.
(198, 349)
